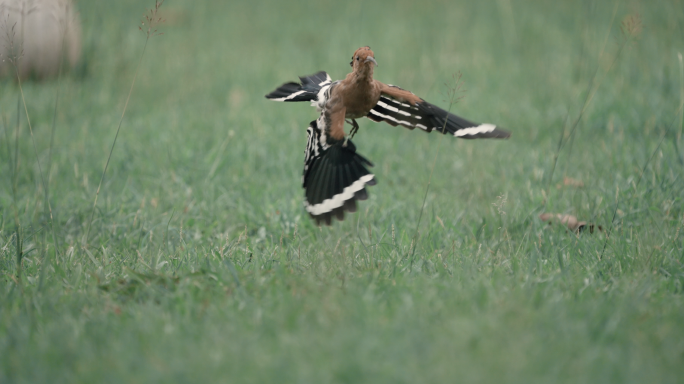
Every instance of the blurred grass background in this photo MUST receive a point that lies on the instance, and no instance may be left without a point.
(201, 264)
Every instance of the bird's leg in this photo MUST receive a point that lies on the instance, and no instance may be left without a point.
(355, 127)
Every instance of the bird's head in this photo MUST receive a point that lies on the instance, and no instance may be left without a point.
(363, 60)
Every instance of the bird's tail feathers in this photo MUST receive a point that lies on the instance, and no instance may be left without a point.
(335, 177)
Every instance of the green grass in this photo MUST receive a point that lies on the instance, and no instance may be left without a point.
(202, 266)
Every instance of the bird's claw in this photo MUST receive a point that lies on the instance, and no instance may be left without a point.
(355, 128)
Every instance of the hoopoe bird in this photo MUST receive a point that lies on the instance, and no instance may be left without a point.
(335, 176)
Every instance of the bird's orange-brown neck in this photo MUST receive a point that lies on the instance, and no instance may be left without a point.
(363, 74)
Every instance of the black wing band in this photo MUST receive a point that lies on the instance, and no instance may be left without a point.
(307, 90)
(429, 117)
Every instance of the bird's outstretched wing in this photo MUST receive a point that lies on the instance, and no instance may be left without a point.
(335, 176)
(400, 107)
(306, 90)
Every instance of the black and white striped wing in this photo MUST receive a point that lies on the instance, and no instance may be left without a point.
(306, 90)
(335, 176)
(429, 117)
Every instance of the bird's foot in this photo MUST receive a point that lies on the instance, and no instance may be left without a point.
(355, 127)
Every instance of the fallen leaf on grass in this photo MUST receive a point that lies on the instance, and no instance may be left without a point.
(569, 221)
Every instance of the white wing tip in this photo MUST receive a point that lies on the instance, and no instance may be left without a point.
(472, 131)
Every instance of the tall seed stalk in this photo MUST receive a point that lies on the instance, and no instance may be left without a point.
(152, 19)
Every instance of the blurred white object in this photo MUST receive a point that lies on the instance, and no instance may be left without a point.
(32, 31)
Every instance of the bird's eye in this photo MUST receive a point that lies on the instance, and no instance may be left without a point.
(357, 58)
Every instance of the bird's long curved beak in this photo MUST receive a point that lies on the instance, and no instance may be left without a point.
(370, 58)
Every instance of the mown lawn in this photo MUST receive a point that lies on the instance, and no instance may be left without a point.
(202, 266)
